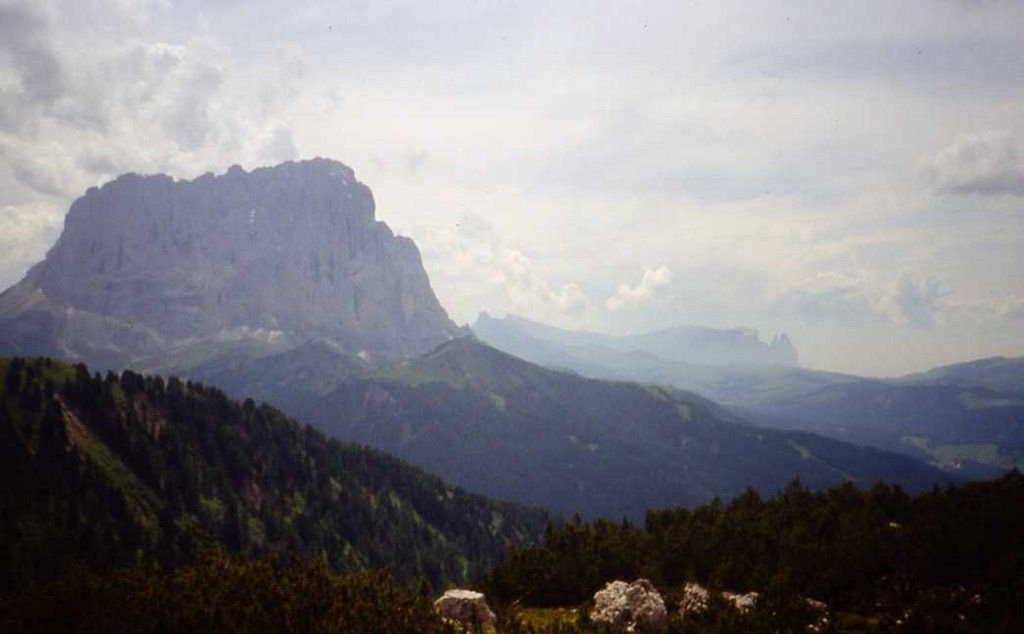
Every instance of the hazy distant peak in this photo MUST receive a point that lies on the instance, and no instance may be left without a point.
(684, 344)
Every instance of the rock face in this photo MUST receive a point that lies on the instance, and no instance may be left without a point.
(628, 604)
(147, 265)
(464, 606)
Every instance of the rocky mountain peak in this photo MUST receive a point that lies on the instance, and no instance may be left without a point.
(782, 351)
(287, 253)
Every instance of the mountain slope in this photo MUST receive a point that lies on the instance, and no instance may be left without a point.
(970, 429)
(108, 471)
(499, 425)
(1000, 374)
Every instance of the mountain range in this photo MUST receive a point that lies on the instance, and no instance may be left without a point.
(279, 284)
(965, 418)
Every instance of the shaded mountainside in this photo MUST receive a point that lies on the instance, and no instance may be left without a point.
(163, 275)
(503, 427)
(108, 471)
(962, 428)
(1000, 374)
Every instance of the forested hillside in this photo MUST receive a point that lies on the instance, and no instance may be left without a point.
(107, 471)
(945, 560)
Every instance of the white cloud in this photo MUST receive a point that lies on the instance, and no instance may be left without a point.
(916, 302)
(472, 270)
(859, 297)
(23, 229)
(652, 286)
(979, 163)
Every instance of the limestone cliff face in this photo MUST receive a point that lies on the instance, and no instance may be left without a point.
(281, 255)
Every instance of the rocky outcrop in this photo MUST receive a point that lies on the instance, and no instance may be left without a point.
(742, 602)
(694, 599)
(464, 606)
(629, 604)
(148, 266)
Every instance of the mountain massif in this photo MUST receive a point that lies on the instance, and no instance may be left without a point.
(110, 471)
(158, 274)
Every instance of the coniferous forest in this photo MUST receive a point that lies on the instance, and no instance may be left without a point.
(947, 560)
(102, 472)
(134, 503)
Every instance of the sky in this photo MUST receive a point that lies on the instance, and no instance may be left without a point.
(850, 173)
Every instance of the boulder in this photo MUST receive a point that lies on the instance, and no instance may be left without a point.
(694, 599)
(464, 606)
(742, 602)
(629, 604)
(820, 611)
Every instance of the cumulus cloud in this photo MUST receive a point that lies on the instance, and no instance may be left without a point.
(862, 298)
(652, 286)
(73, 115)
(916, 302)
(471, 266)
(978, 163)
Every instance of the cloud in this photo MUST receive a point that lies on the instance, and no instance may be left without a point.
(915, 302)
(860, 297)
(832, 296)
(974, 4)
(472, 269)
(279, 145)
(983, 163)
(652, 286)
(31, 76)
(25, 230)
(1012, 309)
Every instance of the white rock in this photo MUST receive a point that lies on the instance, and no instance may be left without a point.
(628, 604)
(463, 606)
(742, 602)
(694, 600)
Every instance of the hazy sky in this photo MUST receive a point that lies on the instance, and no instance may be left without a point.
(850, 173)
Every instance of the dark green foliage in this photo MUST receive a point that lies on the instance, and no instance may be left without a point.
(925, 560)
(221, 593)
(110, 471)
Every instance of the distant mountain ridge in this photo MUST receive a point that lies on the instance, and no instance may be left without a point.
(966, 418)
(154, 273)
(685, 344)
